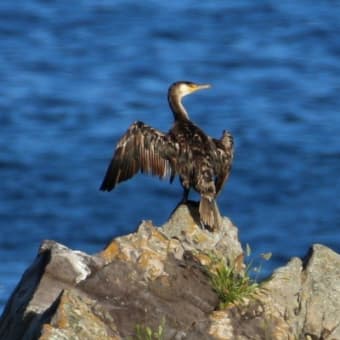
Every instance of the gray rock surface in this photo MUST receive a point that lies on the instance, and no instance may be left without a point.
(157, 275)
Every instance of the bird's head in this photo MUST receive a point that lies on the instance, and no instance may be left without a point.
(183, 88)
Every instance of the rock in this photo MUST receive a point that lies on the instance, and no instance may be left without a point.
(300, 301)
(155, 279)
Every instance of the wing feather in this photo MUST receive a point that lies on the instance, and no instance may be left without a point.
(225, 151)
(141, 148)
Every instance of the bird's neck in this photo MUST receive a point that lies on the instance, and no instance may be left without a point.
(179, 111)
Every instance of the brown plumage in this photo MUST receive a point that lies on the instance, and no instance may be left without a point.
(201, 162)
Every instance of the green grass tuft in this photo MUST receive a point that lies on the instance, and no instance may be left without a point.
(231, 286)
(146, 333)
(230, 282)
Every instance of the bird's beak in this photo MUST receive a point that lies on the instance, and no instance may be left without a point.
(201, 86)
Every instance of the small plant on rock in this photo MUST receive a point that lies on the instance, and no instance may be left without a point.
(230, 282)
(147, 333)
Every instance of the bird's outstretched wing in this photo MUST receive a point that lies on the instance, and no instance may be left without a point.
(141, 148)
(225, 154)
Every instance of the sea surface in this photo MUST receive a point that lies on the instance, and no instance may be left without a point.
(74, 76)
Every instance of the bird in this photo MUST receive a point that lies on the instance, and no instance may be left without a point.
(201, 162)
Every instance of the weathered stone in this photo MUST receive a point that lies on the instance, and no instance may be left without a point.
(183, 225)
(75, 318)
(300, 301)
(158, 274)
(56, 268)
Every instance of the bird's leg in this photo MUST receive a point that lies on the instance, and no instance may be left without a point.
(185, 195)
(186, 188)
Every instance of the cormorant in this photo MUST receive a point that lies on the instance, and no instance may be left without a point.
(201, 162)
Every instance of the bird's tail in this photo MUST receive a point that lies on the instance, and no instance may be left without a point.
(209, 213)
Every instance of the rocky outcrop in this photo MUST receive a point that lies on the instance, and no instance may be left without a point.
(300, 301)
(156, 279)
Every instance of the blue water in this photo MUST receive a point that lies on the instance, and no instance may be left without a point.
(75, 75)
